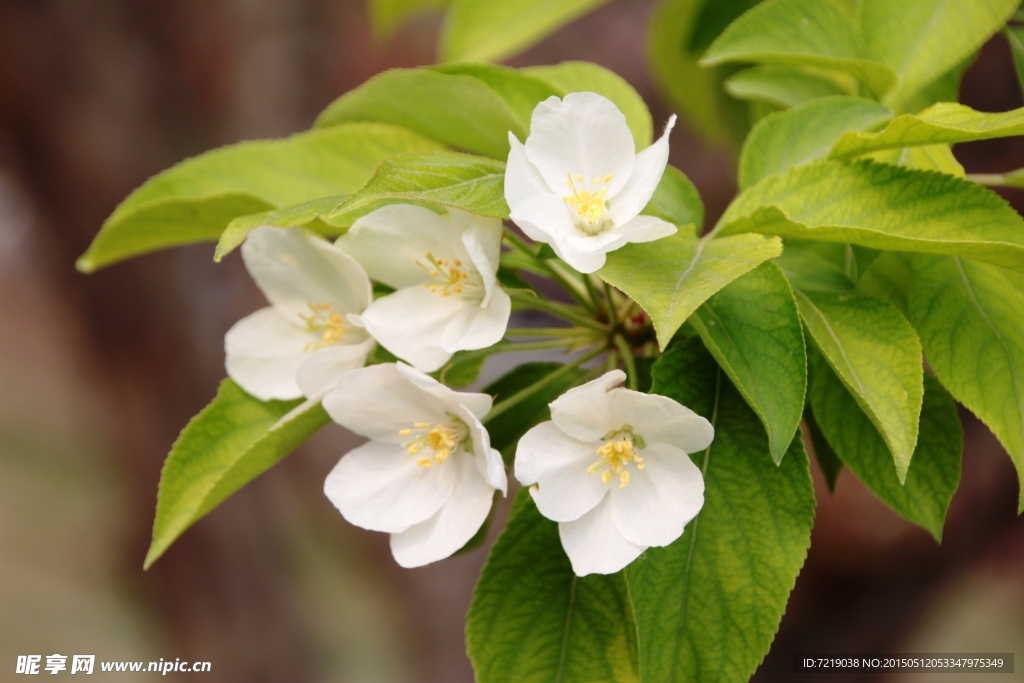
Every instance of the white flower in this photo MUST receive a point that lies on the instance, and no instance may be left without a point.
(611, 467)
(302, 343)
(428, 474)
(578, 183)
(444, 270)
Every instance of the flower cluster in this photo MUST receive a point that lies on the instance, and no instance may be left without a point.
(612, 465)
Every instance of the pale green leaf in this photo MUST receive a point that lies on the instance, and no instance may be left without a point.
(195, 200)
(694, 93)
(934, 472)
(810, 33)
(446, 179)
(810, 271)
(877, 355)
(926, 157)
(458, 110)
(883, 207)
(228, 444)
(969, 318)
(387, 15)
(521, 90)
(945, 122)
(797, 136)
(708, 606)
(923, 39)
(676, 200)
(673, 276)
(311, 215)
(753, 330)
(533, 620)
(484, 30)
(782, 86)
(570, 77)
(1015, 36)
(888, 277)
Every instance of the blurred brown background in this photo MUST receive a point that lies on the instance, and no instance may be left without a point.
(98, 374)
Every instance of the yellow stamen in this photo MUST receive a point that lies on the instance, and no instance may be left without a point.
(441, 440)
(616, 453)
(326, 322)
(451, 277)
(589, 205)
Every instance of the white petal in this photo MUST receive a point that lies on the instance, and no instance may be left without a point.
(324, 369)
(294, 268)
(391, 241)
(264, 352)
(660, 499)
(378, 401)
(594, 545)
(583, 412)
(640, 229)
(647, 171)
(377, 486)
(547, 218)
(481, 238)
(452, 526)
(522, 180)
(425, 329)
(659, 419)
(556, 465)
(584, 134)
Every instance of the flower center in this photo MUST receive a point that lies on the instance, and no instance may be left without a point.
(433, 444)
(619, 449)
(589, 203)
(450, 277)
(326, 322)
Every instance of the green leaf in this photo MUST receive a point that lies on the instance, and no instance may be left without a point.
(671, 277)
(521, 90)
(387, 15)
(194, 200)
(783, 86)
(676, 200)
(507, 428)
(533, 621)
(695, 93)
(935, 468)
(882, 207)
(877, 355)
(457, 110)
(311, 214)
(923, 39)
(799, 33)
(945, 122)
(708, 606)
(445, 179)
(797, 136)
(228, 444)
(715, 17)
(828, 461)
(462, 370)
(927, 158)
(483, 30)
(753, 330)
(570, 77)
(888, 277)
(808, 270)
(1015, 37)
(969, 318)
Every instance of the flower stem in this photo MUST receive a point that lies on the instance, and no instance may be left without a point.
(629, 360)
(548, 332)
(564, 280)
(609, 304)
(523, 394)
(570, 313)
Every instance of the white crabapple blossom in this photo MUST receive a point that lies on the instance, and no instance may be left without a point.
(303, 342)
(444, 270)
(611, 467)
(428, 474)
(578, 183)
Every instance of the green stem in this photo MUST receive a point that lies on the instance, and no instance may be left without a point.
(548, 332)
(612, 361)
(569, 313)
(609, 302)
(629, 360)
(992, 180)
(520, 396)
(564, 281)
(513, 347)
